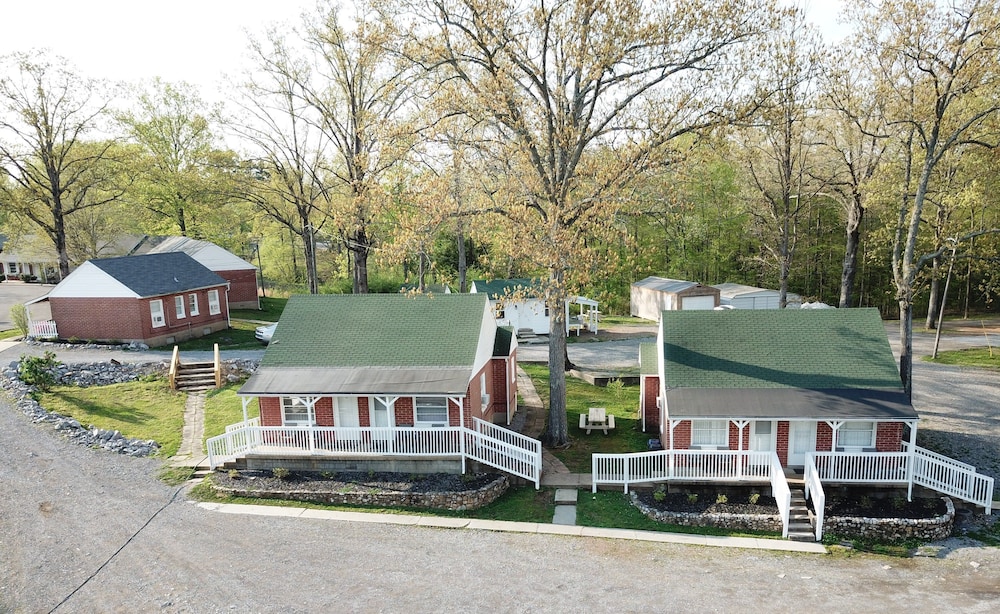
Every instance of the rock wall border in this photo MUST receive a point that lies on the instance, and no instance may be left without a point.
(893, 529)
(740, 522)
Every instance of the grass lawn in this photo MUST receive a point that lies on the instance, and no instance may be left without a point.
(624, 320)
(970, 357)
(9, 334)
(518, 504)
(239, 337)
(622, 402)
(270, 310)
(223, 407)
(140, 410)
(613, 510)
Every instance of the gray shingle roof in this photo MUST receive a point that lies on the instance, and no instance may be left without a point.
(159, 274)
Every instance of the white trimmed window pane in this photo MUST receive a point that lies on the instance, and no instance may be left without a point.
(856, 435)
(710, 433)
(179, 306)
(156, 313)
(295, 410)
(431, 411)
(213, 302)
(193, 304)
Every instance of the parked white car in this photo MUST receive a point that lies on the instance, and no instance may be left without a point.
(264, 333)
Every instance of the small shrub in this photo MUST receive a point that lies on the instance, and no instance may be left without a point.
(617, 388)
(327, 475)
(898, 503)
(38, 371)
(659, 494)
(19, 317)
(721, 499)
(754, 498)
(371, 474)
(234, 474)
(281, 473)
(467, 478)
(692, 498)
(865, 502)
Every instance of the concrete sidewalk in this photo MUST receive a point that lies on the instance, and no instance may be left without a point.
(519, 527)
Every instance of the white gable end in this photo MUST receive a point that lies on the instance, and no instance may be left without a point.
(89, 281)
(215, 258)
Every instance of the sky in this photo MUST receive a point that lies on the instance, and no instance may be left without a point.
(196, 41)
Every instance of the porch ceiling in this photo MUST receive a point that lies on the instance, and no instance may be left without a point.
(785, 403)
(357, 380)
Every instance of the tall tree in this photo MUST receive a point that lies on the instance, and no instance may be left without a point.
(46, 114)
(583, 97)
(937, 66)
(779, 144)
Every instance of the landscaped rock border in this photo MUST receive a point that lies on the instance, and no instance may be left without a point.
(893, 529)
(737, 522)
(455, 501)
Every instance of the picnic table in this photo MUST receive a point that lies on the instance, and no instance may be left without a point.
(597, 418)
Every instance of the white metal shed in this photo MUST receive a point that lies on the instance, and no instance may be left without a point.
(653, 295)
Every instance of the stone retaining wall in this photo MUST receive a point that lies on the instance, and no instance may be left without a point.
(739, 522)
(456, 501)
(893, 529)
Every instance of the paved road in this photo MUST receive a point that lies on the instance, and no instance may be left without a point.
(14, 292)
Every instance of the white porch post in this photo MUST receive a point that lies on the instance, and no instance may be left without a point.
(911, 458)
(461, 430)
(246, 401)
(311, 413)
(671, 425)
(740, 424)
(834, 427)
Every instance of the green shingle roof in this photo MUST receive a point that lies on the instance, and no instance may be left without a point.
(786, 348)
(378, 330)
(647, 359)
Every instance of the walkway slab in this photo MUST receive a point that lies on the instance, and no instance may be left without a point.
(565, 515)
(566, 496)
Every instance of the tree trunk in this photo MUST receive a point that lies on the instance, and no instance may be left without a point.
(360, 247)
(309, 239)
(906, 344)
(934, 299)
(557, 433)
(462, 263)
(850, 268)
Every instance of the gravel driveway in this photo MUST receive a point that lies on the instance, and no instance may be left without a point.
(90, 531)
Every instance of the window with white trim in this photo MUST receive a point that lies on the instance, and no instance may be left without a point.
(430, 411)
(12, 268)
(856, 435)
(295, 411)
(193, 304)
(484, 395)
(213, 302)
(710, 433)
(156, 313)
(179, 307)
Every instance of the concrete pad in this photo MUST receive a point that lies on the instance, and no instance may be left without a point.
(6, 345)
(503, 525)
(674, 538)
(260, 510)
(566, 480)
(566, 496)
(565, 514)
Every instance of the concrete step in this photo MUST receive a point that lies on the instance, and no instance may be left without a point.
(801, 536)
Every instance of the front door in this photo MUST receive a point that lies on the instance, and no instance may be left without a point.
(381, 419)
(801, 441)
(347, 418)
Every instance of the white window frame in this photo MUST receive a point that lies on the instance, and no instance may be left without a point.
(179, 307)
(484, 396)
(156, 313)
(856, 430)
(193, 303)
(710, 434)
(12, 268)
(427, 421)
(303, 417)
(214, 308)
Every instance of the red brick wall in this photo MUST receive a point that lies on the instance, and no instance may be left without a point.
(782, 442)
(364, 412)
(647, 403)
(128, 319)
(242, 288)
(455, 415)
(324, 411)
(497, 381)
(824, 437)
(889, 436)
(404, 411)
(270, 411)
(682, 436)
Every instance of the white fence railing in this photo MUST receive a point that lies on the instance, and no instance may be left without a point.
(951, 477)
(663, 465)
(42, 329)
(814, 489)
(781, 492)
(862, 467)
(511, 452)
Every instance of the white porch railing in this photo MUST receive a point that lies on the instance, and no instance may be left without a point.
(695, 465)
(814, 489)
(505, 450)
(42, 329)
(781, 492)
(662, 465)
(919, 466)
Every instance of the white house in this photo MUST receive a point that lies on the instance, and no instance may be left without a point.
(739, 296)
(515, 303)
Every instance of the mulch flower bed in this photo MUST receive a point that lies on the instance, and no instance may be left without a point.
(347, 481)
(885, 507)
(708, 504)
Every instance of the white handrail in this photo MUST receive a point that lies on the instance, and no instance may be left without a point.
(781, 492)
(675, 465)
(814, 489)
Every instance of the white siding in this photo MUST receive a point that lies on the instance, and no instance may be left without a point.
(697, 302)
(88, 281)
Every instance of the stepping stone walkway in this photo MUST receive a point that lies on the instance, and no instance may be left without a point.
(192, 451)
(565, 506)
